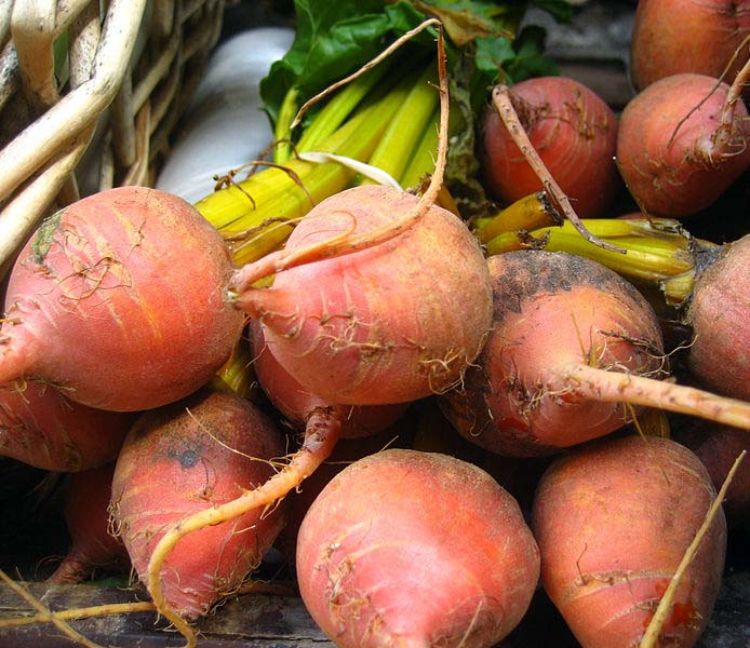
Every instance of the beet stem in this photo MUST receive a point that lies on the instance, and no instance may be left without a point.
(75, 614)
(735, 91)
(611, 386)
(322, 432)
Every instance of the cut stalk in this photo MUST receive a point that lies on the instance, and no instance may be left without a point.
(268, 224)
(278, 198)
(283, 132)
(237, 374)
(528, 213)
(654, 250)
(658, 251)
(223, 208)
(339, 109)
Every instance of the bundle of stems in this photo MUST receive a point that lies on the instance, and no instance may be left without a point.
(659, 251)
(385, 122)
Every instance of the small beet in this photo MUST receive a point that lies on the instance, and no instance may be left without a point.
(573, 131)
(187, 457)
(682, 141)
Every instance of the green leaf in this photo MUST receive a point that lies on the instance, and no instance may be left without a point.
(529, 60)
(562, 11)
(466, 20)
(332, 40)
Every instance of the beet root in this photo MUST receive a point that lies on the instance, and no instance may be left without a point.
(682, 141)
(120, 299)
(184, 458)
(41, 427)
(92, 546)
(395, 551)
(613, 522)
(552, 310)
(573, 131)
(390, 323)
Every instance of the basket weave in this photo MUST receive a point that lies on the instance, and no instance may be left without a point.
(129, 67)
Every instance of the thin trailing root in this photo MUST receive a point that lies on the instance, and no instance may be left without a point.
(340, 245)
(509, 117)
(611, 386)
(46, 613)
(650, 638)
(75, 614)
(322, 433)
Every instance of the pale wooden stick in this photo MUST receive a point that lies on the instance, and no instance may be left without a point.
(32, 26)
(21, 215)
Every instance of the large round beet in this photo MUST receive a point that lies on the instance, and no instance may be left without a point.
(120, 299)
(675, 36)
(412, 548)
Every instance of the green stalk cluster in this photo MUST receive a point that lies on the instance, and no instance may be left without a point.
(377, 119)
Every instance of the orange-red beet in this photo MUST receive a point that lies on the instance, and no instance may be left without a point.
(415, 549)
(87, 518)
(42, 428)
(613, 521)
(120, 299)
(575, 134)
(675, 36)
(674, 167)
(719, 312)
(184, 458)
(390, 323)
(552, 310)
(296, 403)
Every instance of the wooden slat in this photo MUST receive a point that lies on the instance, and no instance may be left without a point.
(249, 621)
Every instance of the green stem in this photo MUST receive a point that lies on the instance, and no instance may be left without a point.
(422, 163)
(282, 131)
(338, 109)
(405, 129)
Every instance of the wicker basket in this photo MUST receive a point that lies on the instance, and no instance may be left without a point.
(125, 69)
